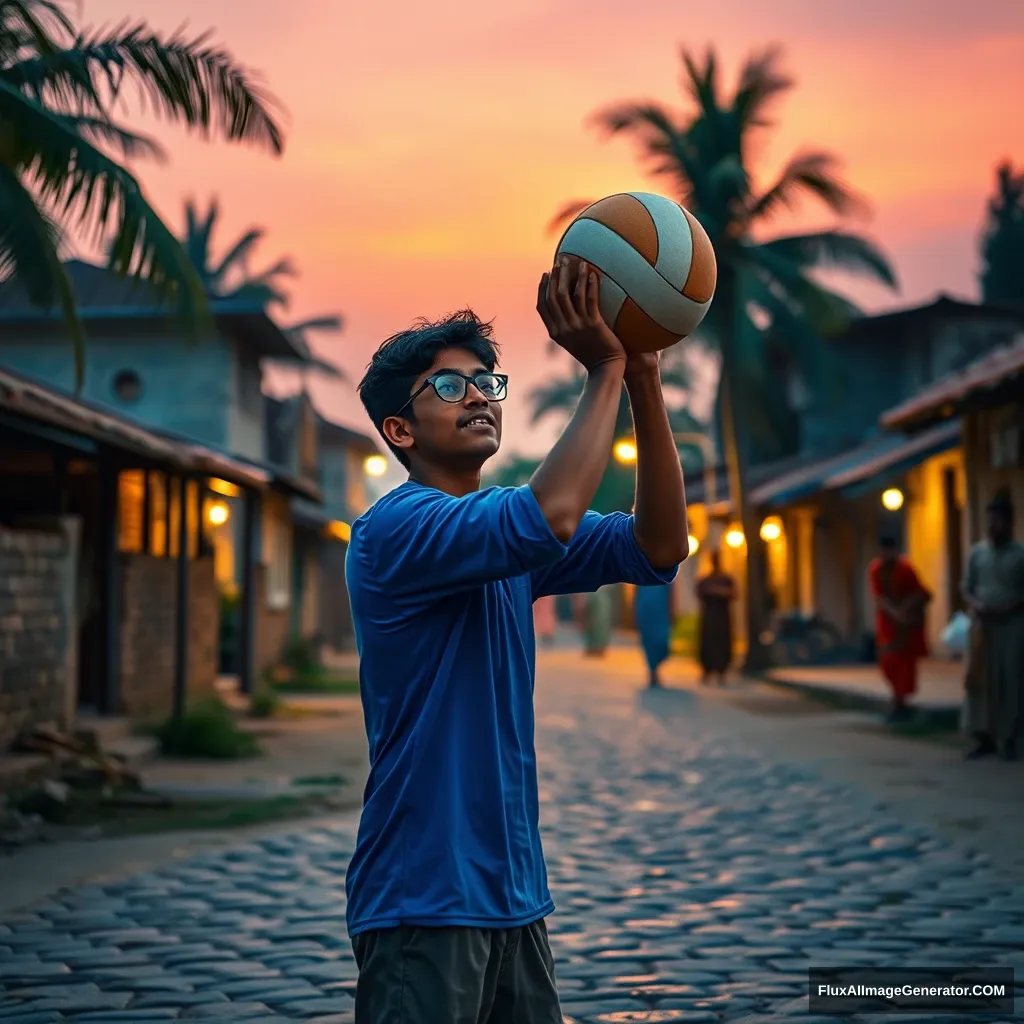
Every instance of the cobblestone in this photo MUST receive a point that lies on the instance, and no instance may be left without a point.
(695, 878)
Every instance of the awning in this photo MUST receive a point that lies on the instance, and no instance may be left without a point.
(858, 467)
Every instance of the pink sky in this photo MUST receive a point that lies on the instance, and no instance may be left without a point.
(429, 144)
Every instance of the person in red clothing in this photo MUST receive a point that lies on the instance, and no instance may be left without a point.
(900, 601)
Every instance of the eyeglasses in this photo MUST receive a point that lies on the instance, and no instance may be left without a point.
(451, 387)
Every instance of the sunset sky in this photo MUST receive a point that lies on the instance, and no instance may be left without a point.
(430, 143)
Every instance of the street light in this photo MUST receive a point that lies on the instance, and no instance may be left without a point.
(624, 452)
(892, 499)
(693, 544)
(375, 465)
(217, 513)
(734, 537)
(771, 529)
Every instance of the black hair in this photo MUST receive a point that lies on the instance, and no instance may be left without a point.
(887, 542)
(1001, 504)
(388, 381)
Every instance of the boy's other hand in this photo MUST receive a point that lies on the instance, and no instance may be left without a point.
(573, 318)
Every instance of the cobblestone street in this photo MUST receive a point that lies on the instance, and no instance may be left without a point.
(695, 879)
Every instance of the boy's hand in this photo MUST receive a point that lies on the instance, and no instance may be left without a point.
(572, 317)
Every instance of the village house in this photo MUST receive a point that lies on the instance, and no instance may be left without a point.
(139, 365)
(844, 480)
(108, 605)
(987, 396)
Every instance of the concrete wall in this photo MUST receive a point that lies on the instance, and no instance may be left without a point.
(245, 413)
(186, 387)
(148, 629)
(36, 632)
(927, 535)
(271, 628)
(984, 475)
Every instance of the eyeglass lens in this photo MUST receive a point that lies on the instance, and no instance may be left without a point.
(451, 387)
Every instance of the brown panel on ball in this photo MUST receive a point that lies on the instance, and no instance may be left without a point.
(638, 332)
(629, 219)
(700, 284)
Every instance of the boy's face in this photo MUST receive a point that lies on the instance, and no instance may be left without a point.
(462, 434)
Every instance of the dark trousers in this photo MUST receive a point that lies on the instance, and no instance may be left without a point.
(413, 975)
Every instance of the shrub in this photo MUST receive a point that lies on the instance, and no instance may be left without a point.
(206, 730)
(265, 702)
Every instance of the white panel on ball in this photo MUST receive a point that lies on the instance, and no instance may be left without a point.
(617, 259)
(675, 242)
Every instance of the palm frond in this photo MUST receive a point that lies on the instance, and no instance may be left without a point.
(188, 81)
(82, 183)
(317, 323)
(761, 82)
(129, 145)
(813, 173)
(835, 250)
(29, 244)
(558, 395)
(237, 256)
(569, 212)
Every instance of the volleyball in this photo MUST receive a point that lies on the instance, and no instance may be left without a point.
(655, 263)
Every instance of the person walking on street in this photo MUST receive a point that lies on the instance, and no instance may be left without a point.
(900, 602)
(993, 590)
(654, 613)
(716, 592)
(447, 888)
(545, 621)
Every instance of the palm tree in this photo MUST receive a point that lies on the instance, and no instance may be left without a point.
(704, 154)
(230, 278)
(559, 395)
(62, 151)
(1002, 276)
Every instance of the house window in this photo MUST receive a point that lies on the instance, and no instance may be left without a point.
(127, 386)
(277, 557)
(131, 500)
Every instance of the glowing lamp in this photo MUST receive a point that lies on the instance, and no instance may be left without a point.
(624, 452)
(375, 465)
(693, 543)
(218, 513)
(771, 529)
(734, 537)
(892, 499)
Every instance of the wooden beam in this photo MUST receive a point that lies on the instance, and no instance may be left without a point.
(181, 619)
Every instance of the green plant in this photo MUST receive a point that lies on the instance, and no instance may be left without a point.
(301, 656)
(206, 730)
(265, 702)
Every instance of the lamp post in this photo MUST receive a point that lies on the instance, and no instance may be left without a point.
(625, 452)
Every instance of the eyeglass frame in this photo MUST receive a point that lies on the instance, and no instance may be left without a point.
(431, 381)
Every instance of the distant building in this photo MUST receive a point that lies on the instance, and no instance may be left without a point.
(824, 489)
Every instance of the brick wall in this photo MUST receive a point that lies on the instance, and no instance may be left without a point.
(34, 633)
(148, 627)
(272, 627)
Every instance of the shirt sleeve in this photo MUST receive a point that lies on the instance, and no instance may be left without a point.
(603, 551)
(428, 544)
(970, 580)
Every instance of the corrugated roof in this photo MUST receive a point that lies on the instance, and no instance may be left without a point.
(834, 472)
(942, 399)
(33, 401)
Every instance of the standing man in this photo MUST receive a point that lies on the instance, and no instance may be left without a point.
(900, 601)
(993, 590)
(447, 888)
